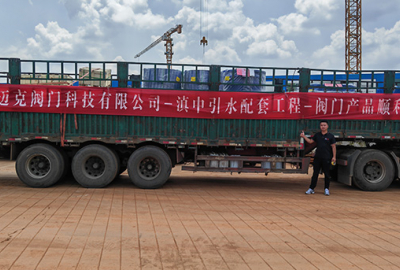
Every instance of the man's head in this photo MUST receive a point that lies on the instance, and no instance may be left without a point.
(323, 125)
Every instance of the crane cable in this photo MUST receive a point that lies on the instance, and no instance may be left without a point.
(203, 23)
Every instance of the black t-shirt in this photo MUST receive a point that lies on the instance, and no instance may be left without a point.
(324, 145)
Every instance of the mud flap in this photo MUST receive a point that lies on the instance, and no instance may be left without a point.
(345, 164)
(396, 161)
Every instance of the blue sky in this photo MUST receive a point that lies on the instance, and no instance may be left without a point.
(267, 33)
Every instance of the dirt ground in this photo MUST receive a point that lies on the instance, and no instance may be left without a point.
(198, 221)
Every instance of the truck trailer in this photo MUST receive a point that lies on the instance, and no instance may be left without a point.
(97, 119)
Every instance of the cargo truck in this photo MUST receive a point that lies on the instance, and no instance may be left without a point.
(97, 119)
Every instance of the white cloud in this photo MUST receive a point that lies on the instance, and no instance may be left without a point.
(268, 47)
(184, 2)
(220, 5)
(132, 13)
(180, 43)
(321, 8)
(89, 14)
(190, 16)
(294, 23)
(272, 49)
(51, 40)
(332, 55)
(232, 35)
(119, 58)
(230, 29)
(308, 18)
(222, 54)
(189, 60)
(307, 33)
(248, 32)
(17, 52)
(380, 48)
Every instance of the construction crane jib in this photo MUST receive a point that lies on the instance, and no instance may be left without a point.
(168, 43)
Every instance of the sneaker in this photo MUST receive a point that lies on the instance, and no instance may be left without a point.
(327, 192)
(310, 191)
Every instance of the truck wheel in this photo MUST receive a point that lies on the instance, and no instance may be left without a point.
(118, 163)
(149, 167)
(67, 163)
(373, 171)
(40, 165)
(94, 166)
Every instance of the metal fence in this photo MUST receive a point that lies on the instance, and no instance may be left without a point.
(196, 77)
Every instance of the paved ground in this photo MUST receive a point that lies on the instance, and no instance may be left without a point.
(198, 221)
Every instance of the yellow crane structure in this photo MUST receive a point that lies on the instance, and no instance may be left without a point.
(353, 35)
(168, 43)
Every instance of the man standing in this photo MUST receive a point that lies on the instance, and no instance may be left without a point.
(324, 155)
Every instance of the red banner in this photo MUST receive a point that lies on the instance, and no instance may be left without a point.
(198, 104)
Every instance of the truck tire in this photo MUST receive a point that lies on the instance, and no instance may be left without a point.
(94, 166)
(373, 171)
(67, 163)
(40, 165)
(118, 163)
(149, 167)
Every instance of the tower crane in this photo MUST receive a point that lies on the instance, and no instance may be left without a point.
(168, 43)
(353, 35)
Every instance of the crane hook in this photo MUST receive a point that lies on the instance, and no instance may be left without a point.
(204, 41)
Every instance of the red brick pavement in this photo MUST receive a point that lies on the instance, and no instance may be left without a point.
(198, 221)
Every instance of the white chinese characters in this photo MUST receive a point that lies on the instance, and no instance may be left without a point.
(194, 104)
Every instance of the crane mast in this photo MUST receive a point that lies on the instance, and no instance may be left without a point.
(168, 43)
(353, 35)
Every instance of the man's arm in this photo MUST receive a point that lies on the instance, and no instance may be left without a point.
(308, 140)
(334, 152)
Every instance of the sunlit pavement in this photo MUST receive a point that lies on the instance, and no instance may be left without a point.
(198, 221)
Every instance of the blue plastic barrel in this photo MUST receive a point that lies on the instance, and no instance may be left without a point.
(256, 80)
(315, 88)
(332, 89)
(396, 90)
(160, 78)
(237, 82)
(194, 80)
(348, 88)
(115, 84)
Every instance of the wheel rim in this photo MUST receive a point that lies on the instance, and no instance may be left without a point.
(38, 166)
(94, 167)
(149, 168)
(374, 171)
